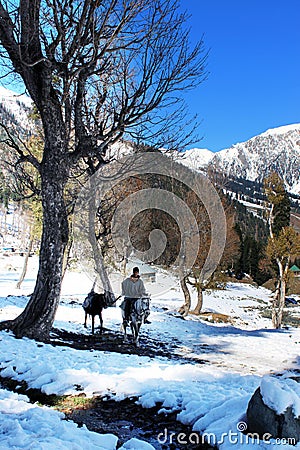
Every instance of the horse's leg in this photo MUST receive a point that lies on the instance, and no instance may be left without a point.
(125, 330)
(138, 334)
(85, 319)
(135, 333)
(138, 327)
(132, 326)
(123, 326)
(101, 322)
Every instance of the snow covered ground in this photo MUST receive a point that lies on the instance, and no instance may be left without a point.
(234, 359)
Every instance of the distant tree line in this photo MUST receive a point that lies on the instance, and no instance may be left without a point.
(253, 191)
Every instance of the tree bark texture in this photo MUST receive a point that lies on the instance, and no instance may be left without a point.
(95, 248)
(37, 318)
(185, 308)
(199, 305)
(279, 299)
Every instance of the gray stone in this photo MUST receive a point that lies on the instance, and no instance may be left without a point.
(290, 425)
(265, 421)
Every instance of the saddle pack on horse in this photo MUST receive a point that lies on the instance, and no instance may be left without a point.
(107, 299)
(93, 305)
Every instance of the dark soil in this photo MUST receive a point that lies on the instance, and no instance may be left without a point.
(113, 341)
(127, 419)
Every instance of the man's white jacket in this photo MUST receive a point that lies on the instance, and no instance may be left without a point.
(133, 289)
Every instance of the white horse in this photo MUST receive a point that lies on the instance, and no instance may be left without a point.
(139, 311)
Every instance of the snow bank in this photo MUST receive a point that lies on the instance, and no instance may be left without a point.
(27, 426)
(280, 393)
(211, 396)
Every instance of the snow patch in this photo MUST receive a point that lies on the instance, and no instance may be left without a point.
(281, 393)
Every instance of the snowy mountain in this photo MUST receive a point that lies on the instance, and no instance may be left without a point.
(197, 158)
(14, 109)
(276, 149)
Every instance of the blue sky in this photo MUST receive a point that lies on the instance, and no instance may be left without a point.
(253, 64)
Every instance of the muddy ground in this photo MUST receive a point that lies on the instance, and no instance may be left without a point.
(113, 341)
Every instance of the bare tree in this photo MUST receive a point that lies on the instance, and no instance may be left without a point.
(95, 70)
(199, 278)
(281, 249)
(284, 241)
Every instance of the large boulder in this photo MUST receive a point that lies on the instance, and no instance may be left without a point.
(278, 418)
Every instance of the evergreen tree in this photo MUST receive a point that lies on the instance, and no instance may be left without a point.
(282, 212)
(251, 251)
(279, 204)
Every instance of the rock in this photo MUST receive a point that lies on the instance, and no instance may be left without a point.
(265, 421)
(291, 425)
(261, 419)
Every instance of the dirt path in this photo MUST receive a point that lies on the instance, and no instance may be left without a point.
(112, 341)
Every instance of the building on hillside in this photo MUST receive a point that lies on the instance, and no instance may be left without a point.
(295, 270)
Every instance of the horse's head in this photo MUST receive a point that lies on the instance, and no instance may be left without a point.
(140, 309)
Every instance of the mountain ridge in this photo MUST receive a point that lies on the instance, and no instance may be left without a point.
(276, 149)
(14, 110)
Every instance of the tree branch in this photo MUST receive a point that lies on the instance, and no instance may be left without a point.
(11, 142)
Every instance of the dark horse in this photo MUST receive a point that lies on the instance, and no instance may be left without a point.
(139, 311)
(93, 306)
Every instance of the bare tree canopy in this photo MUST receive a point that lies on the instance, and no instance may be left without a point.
(108, 67)
(96, 71)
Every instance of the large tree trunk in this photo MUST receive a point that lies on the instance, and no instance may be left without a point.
(185, 308)
(279, 299)
(37, 318)
(66, 257)
(96, 251)
(199, 305)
